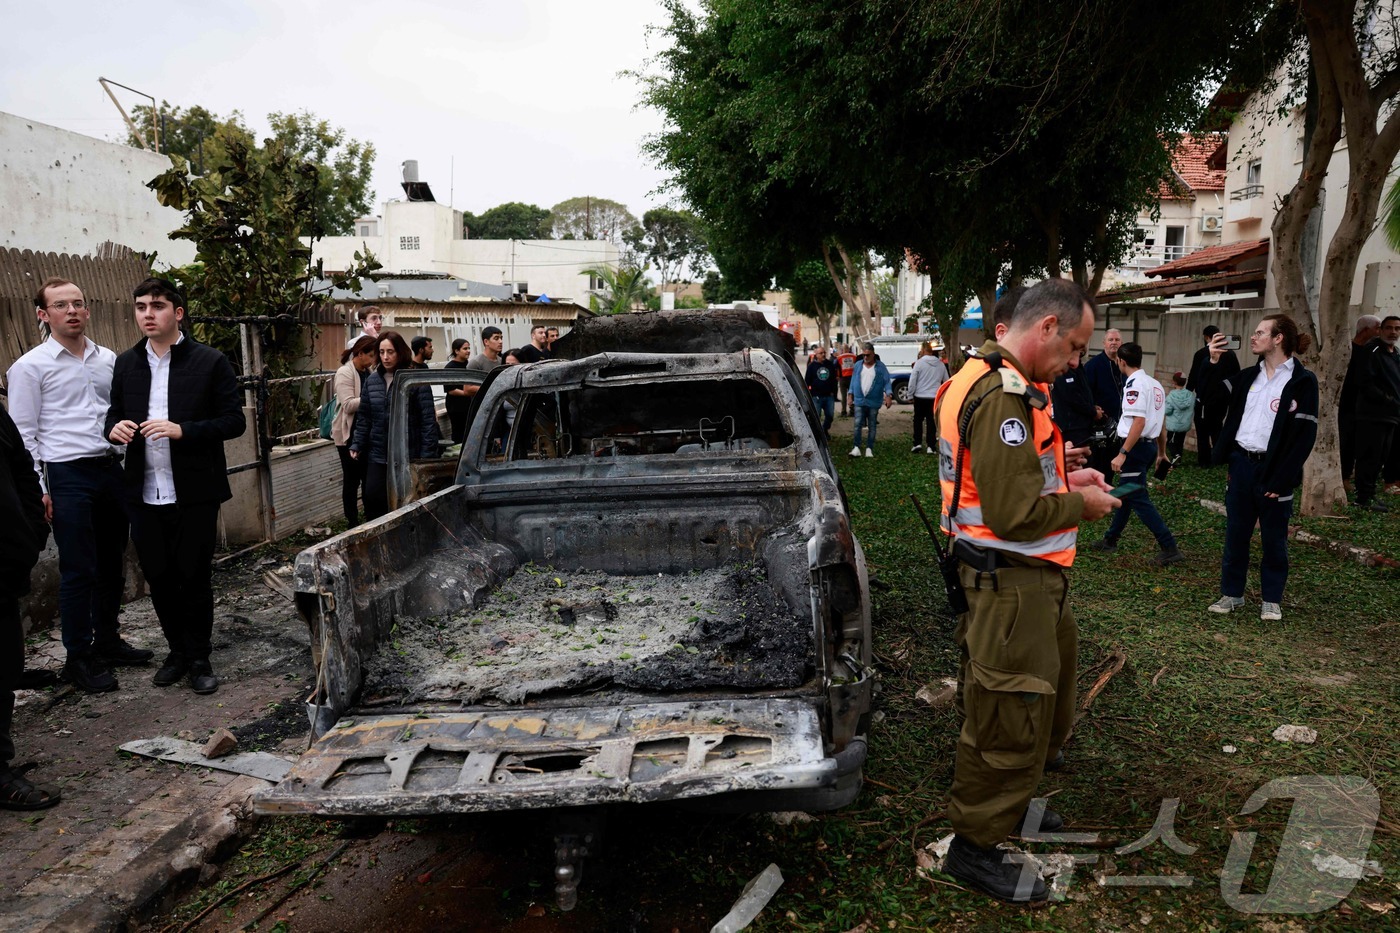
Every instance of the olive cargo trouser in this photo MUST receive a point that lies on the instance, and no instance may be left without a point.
(1016, 692)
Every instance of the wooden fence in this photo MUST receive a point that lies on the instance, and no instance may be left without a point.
(106, 280)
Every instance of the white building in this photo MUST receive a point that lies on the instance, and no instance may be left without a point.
(423, 236)
(1266, 156)
(64, 192)
(1190, 209)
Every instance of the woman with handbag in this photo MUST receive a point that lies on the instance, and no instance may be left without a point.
(348, 383)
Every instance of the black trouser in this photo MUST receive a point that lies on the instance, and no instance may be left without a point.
(1176, 443)
(176, 546)
(923, 421)
(457, 416)
(376, 489)
(352, 478)
(1209, 420)
(11, 666)
(1373, 439)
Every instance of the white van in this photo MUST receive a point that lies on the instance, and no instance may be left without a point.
(898, 353)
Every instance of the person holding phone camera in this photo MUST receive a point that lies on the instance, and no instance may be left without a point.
(1206, 373)
(1013, 506)
(1144, 442)
(1269, 431)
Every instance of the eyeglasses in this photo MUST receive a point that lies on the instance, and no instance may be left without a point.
(65, 305)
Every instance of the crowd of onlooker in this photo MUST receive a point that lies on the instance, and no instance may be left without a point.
(365, 392)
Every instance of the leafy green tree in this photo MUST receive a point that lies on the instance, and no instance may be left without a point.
(624, 289)
(250, 216)
(590, 218)
(344, 169)
(1006, 139)
(344, 166)
(510, 221)
(195, 134)
(814, 294)
(671, 240)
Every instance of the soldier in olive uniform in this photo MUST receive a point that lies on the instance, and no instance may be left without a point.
(1013, 508)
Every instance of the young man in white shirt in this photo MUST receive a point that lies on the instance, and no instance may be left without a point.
(174, 403)
(1269, 431)
(1144, 443)
(59, 393)
(371, 322)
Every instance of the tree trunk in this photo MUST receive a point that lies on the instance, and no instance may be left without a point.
(987, 295)
(1344, 98)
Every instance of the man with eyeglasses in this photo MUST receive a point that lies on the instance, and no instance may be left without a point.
(59, 395)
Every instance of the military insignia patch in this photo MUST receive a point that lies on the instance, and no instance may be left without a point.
(1013, 433)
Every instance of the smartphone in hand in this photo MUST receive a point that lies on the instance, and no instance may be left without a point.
(1127, 489)
(1232, 341)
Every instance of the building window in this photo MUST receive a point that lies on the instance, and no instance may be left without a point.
(408, 242)
(595, 283)
(1254, 172)
(1176, 243)
(364, 229)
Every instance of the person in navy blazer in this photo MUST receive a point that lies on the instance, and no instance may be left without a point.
(174, 403)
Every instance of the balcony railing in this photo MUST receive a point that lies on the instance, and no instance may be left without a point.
(1149, 257)
(1247, 192)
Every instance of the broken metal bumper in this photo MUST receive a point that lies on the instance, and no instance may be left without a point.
(473, 761)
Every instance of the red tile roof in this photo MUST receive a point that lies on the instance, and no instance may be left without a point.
(1212, 259)
(1199, 165)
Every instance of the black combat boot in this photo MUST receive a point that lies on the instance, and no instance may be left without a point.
(202, 679)
(86, 672)
(117, 652)
(172, 671)
(992, 872)
(1049, 822)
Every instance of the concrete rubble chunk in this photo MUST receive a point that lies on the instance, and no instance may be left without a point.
(1301, 735)
(220, 744)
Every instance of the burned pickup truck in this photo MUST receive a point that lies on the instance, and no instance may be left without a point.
(642, 586)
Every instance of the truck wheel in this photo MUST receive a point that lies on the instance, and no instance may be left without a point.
(901, 393)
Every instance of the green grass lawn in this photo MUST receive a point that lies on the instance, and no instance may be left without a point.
(1193, 683)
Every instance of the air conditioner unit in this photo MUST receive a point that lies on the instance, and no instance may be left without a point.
(1212, 223)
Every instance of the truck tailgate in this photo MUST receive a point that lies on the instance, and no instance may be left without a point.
(414, 765)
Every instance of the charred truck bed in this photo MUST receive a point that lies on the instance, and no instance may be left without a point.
(642, 586)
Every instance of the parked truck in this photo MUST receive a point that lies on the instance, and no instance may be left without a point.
(640, 584)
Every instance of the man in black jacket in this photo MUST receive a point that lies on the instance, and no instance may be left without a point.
(1368, 327)
(26, 532)
(174, 403)
(1269, 431)
(1204, 377)
(1074, 404)
(1377, 412)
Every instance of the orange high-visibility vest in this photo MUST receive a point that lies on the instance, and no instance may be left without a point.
(1057, 547)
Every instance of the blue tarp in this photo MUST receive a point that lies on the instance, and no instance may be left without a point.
(543, 300)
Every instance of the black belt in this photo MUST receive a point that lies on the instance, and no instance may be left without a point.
(100, 460)
(1256, 457)
(984, 560)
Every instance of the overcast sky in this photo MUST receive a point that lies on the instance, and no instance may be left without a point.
(524, 96)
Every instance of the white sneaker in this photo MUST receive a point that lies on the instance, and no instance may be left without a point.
(869, 452)
(1271, 612)
(929, 450)
(855, 452)
(1226, 604)
(916, 448)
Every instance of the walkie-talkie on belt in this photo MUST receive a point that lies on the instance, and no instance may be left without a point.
(947, 565)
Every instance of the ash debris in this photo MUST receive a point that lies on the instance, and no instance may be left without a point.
(547, 631)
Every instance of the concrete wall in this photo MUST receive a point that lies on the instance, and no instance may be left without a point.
(64, 192)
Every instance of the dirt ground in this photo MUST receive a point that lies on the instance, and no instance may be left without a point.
(262, 658)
